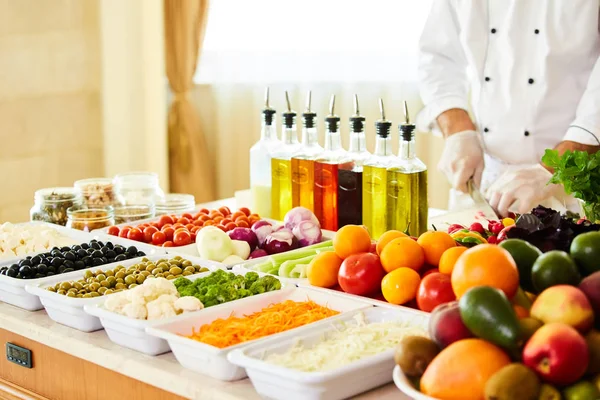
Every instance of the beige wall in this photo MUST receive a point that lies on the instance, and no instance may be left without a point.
(50, 103)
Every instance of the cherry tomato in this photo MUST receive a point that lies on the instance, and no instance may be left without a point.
(226, 221)
(158, 238)
(215, 213)
(435, 289)
(253, 220)
(135, 234)
(245, 210)
(218, 219)
(193, 237)
(198, 222)
(230, 226)
(141, 227)
(361, 274)
(189, 227)
(204, 211)
(167, 244)
(183, 229)
(254, 215)
(183, 221)
(182, 238)
(242, 224)
(225, 210)
(169, 233)
(209, 223)
(221, 227)
(148, 232)
(204, 218)
(113, 230)
(155, 224)
(177, 226)
(237, 214)
(165, 226)
(124, 232)
(187, 215)
(242, 218)
(165, 219)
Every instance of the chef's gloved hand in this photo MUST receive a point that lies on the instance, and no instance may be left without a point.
(462, 159)
(521, 189)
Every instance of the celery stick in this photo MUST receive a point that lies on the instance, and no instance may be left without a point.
(319, 251)
(263, 267)
(299, 271)
(273, 271)
(299, 253)
(287, 266)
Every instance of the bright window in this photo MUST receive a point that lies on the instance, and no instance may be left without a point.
(312, 40)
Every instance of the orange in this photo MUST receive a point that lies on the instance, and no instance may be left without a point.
(434, 244)
(323, 269)
(402, 252)
(351, 239)
(485, 264)
(388, 237)
(521, 311)
(461, 370)
(449, 258)
(400, 286)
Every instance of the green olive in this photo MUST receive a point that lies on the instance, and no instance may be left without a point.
(191, 270)
(87, 296)
(71, 294)
(175, 263)
(79, 295)
(175, 271)
(120, 274)
(88, 274)
(169, 277)
(102, 290)
(95, 294)
(108, 291)
(120, 280)
(65, 285)
(162, 265)
(94, 286)
(77, 285)
(110, 272)
(145, 259)
(145, 273)
(111, 281)
(187, 273)
(61, 291)
(120, 286)
(156, 271)
(186, 263)
(140, 279)
(105, 283)
(51, 289)
(129, 279)
(132, 286)
(149, 267)
(100, 277)
(72, 290)
(159, 275)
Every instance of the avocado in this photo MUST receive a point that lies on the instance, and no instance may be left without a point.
(528, 327)
(524, 255)
(548, 392)
(414, 353)
(489, 315)
(582, 390)
(554, 268)
(515, 381)
(593, 341)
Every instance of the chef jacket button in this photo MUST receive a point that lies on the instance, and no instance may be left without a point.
(487, 79)
(493, 30)
(486, 130)
(531, 81)
(537, 31)
(526, 133)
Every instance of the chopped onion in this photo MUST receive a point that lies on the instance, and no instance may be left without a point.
(297, 215)
(262, 229)
(280, 241)
(307, 233)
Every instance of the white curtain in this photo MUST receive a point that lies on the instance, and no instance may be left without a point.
(339, 47)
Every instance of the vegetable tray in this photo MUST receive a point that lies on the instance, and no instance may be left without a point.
(131, 333)
(70, 311)
(271, 380)
(12, 290)
(212, 361)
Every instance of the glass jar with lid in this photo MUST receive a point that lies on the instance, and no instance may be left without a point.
(51, 204)
(88, 219)
(135, 188)
(124, 214)
(96, 192)
(175, 203)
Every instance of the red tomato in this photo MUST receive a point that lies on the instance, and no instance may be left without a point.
(167, 244)
(148, 232)
(141, 227)
(218, 219)
(224, 210)
(237, 214)
(135, 234)
(226, 221)
(361, 274)
(435, 289)
(242, 224)
(189, 227)
(169, 233)
(187, 215)
(177, 226)
(193, 237)
(155, 224)
(165, 226)
(198, 222)
(429, 271)
(221, 227)
(183, 221)
(209, 223)
(165, 219)
(242, 218)
(124, 232)
(215, 213)
(182, 238)
(204, 218)
(245, 210)
(113, 230)
(195, 229)
(158, 238)
(230, 226)
(204, 211)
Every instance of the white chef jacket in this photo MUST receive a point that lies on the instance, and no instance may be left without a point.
(529, 68)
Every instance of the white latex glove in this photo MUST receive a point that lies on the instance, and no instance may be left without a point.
(462, 159)
(521, 189)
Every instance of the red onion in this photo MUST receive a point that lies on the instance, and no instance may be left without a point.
(297, 215)
(307, 233)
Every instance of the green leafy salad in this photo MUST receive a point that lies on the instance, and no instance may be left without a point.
(221, 287)
(578, 172)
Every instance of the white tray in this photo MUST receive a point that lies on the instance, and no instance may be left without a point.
(131, 333)
(69, 311)
(212, 361)
(406, 387)
(271, 380)
(12, 290)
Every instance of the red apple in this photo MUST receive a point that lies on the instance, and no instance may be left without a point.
(446, 325)
(434, 289)
(361, 274)
(566, 304)
(591, 287)
(429, 271)
(558, 353)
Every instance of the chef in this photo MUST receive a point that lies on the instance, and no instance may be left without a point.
(528, 71)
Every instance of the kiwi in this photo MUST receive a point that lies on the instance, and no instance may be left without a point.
(548, 392)
(514, 381)
(414, 353)
(528, 327)
(593, 342)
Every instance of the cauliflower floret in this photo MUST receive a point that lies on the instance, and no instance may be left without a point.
(160, 309)
(137, 295)
(137, 311)
(160, 286)
(116, 302)
(188, 304)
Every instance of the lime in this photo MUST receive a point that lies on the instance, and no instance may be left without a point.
(582, 390)
(554, 268)
(585, 250)
(524, 255)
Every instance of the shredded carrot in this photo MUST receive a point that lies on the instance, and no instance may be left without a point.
(275, 318)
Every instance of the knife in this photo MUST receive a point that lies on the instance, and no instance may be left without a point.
(480, 202)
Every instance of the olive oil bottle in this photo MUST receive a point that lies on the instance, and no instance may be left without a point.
(407, 206)
(350, 175)
(303, 164)
(281, 165)
(375, 179)
(260, 161)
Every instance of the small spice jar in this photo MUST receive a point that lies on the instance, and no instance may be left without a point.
(175, 203)
(124, 214)
(134, 188)
(88, 219)
(51, 204)
(96, 192)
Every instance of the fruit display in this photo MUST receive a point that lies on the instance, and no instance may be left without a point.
(68, 259)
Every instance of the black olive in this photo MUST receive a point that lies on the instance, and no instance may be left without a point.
(36, 260)
(96, 261)
(14, 266)
(120, 257)
(104, 250)
(65, 249)
(110, 260)
(140, 254)
(50, 273)
(56, 253)
(75, 247)
(69, 255)
(69, 264)
(28, 258)
(95, 245)
(90, 251)
(85, 246)
(50, 268)
(12, 273)
(57, 262)
(38, 275)
(87, 260)
(100, 243)
(97, 254)
(68, 270)
(19, 276)
(24, 262)
(119, 249)
(104, 260)
(61, 269)
(79, 265)
(55, 249)
(110, 254)
(42, 268)
(25, 270)
(109, 245)
(3, 271)
(132, 251)
(81, 253)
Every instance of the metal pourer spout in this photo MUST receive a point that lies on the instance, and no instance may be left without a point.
(268, 112)
(332, 120)
(309, 117)
(357, 121)
(382, 126)
(407, 130)
(289, 116)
